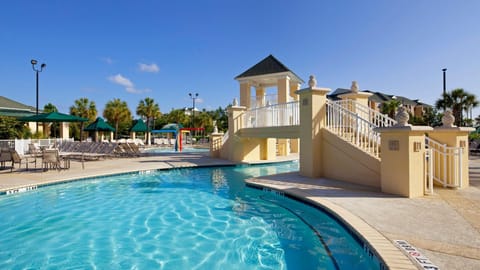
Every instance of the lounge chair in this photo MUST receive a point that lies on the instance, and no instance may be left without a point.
(5, 156)
(17, 158)
(52, 160)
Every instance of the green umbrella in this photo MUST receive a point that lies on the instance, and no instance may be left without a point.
(53, 117)
(138, 126)
(99, 125)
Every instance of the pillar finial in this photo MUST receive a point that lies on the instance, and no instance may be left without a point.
(312, 82)
(448, 119)
(235, 102)
(354, 87)
(402, 117)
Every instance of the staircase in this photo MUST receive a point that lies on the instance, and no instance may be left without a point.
(356, 124)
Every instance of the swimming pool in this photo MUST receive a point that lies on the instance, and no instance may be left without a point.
(171, 149)
(202, 218)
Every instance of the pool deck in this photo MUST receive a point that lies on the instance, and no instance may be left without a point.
(445, 227)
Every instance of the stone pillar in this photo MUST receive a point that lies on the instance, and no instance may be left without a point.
(111, 135)
(312, 120)
(64, 130)
(133, 135)
(359, 97)
(259, 96)
(294, 143)
(216, 144)
(403, 157)
(245, 95)
(283, 85)
(454, 136)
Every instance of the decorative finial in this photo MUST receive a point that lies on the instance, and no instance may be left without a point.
(448, 119)
(402, 117)
(312, 82)
(354, 87)
(215, 128)
(235, 102)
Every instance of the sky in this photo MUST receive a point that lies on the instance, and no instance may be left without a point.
(165, 50)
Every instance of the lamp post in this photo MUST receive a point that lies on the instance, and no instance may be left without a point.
(193, 97)
(444, 88)
(42, 66)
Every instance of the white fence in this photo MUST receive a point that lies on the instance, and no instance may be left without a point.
(443, 165)
(286, 114)
(21, 145)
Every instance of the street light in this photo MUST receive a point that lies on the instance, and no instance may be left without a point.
(42, 66)
(444, 88)
(193, 97)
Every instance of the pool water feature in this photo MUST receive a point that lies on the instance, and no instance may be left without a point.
(202, 218)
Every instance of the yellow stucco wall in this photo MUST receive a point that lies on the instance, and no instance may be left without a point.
(343, 161)
(402, 166)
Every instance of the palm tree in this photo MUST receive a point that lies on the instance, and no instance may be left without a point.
(117, 111)
(84, 108)
(390, 107)
(55, 127)
(458, 100)
(149, 109)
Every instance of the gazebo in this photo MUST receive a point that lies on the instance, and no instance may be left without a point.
(99, 125)
(138, 126)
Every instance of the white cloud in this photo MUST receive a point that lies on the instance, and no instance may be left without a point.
(107, 60)
(148, 68)
(129, 86)
(119, 79)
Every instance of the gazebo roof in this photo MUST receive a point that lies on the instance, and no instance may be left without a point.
(99, 125)
(138, 126)
(269, 65)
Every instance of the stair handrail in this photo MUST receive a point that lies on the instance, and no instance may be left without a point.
(352, 127)
(377, 118)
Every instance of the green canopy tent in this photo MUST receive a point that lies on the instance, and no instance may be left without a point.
(138, 126)
(99, 125)
(53, 117)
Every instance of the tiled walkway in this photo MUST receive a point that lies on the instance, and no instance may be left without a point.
(444, 227)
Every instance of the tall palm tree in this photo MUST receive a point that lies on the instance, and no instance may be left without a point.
(458, 100)
(84, 108)
(54, 127)
(390, 107)
(149, 109)
(117, 111)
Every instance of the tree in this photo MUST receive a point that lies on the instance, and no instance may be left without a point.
(390, 107)
(83, 108)
(10, 128)
(117, 111)
(458, 100)
(150, 110)
(55, 127)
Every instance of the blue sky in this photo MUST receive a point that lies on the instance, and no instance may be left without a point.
(166, 49)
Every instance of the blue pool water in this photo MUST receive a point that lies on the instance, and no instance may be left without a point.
(202, 218)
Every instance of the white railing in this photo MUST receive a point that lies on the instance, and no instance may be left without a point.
(21, 145)
(444, 164)
(375, 117)
(285, 114)
(353, 128)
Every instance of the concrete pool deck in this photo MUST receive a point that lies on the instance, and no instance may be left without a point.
(445, 227)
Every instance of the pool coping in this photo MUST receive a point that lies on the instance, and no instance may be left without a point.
(384, 249)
